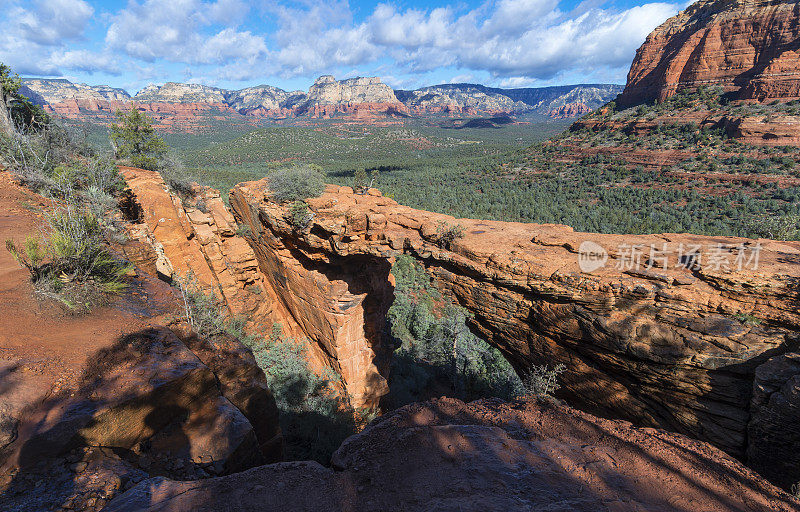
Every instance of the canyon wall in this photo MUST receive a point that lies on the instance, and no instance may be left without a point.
(750, 47)
(670, 331)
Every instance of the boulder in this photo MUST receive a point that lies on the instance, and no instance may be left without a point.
(484, 456)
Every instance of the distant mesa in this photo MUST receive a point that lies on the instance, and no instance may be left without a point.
(361, 97)
(749, 47)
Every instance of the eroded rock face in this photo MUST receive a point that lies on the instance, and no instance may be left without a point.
(675, 347)
(487, 455)
(91, 404)
(570, 110)
(774, 429)
(746, 46)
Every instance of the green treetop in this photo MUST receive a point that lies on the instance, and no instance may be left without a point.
(135, 138)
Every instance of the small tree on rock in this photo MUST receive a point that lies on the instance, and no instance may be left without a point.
(134, 137)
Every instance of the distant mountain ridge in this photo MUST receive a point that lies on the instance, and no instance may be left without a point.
(363, 96)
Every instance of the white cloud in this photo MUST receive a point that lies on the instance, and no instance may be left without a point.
(510, 39)
(529, 38)
(510, 42)
(176, 30)
(51, 22)
(35, 33)
(85, 61)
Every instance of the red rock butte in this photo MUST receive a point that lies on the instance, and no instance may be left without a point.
(750, 47)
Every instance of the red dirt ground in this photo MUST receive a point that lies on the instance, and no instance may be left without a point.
(42, 346)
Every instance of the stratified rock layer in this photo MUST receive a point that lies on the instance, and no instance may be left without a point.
(747, 46)
(670, 339)
(484, 456)
(176, 105)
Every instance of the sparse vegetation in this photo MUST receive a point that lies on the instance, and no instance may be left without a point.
(362, 181)
(299, 215)
(205, 312)
(70, 260)
(17, 111)
(748, 319)
(446, 233)
(314, 418)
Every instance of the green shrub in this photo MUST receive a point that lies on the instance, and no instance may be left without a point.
(314, 419)
(776, 227)
(542, 380)
(243, 230)
(446, 234)
(133, 137)
(363, 181)
(296, 183)
(71, 263)
(436, 349)
(299, 215)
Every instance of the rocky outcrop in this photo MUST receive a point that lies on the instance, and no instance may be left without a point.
(172, 92)
(750, 47)
(327, 97)
(569, 110)
(145, 406)
(487, 455)
(673, 345)
(778, 129)
(50, 91)
(339, 308)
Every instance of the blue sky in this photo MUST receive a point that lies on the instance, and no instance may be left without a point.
(236, 43)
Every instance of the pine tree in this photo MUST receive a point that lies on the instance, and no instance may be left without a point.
(134, 137)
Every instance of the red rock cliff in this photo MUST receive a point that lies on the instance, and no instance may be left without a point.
(747, 46)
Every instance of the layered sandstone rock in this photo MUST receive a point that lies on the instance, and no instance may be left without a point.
(749, 47)
(673, 346)
(774, 429)
(172, 92)
(196, 241)
(763, 130)
(145, 406)
(484, 456)
(328, 97)
(60, 90)
(182, 104)
(569, 110)
(460, 99)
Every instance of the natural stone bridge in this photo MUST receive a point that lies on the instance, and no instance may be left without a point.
(704, 345)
